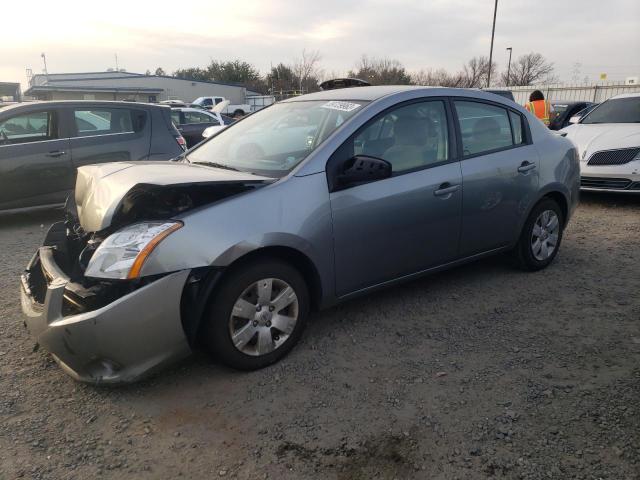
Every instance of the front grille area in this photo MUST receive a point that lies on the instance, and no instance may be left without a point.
(605, 183)
(613, 157)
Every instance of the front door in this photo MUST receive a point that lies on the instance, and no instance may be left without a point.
(35, 163)
(499, 172)
(407, 223)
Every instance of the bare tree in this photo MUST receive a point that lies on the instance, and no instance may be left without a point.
(436, 78)
(306, 69)
(530, 69)
(475, 71)
(380, 71)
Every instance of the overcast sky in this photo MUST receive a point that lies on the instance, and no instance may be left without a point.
(600, 35)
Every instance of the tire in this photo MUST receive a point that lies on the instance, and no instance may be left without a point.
(238, 113)
(253, 327)
(527, 254)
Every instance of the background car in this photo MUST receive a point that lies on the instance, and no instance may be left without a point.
(230, 247)
(581, 114)
(563, 111)
(608, 139)
(42, 144)
(192, 122)
(502, 92)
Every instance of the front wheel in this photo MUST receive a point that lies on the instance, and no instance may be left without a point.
(257, 315)
(541, 236)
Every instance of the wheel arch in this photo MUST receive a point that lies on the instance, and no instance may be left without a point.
(289, 255)
(203, 281)
(557, 193)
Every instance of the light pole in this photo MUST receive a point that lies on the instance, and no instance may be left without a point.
(509, 65)
(44, 59)
(493, 31)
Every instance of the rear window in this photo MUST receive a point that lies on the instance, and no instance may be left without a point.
(106, 121)
(483, 127)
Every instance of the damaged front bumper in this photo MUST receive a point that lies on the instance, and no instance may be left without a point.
(120, 342)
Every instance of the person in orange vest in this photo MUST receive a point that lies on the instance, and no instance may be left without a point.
(539, 106)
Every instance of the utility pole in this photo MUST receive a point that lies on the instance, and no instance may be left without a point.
(493, 31)
(44, 59)
(509, 66)
(117, 63)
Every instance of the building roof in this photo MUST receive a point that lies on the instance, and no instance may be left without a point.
(105, 88)
(74, 77)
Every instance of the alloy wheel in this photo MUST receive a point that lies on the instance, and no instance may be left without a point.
(264, 316)
(544, 237)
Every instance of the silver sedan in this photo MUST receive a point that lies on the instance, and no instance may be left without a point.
(302, 205)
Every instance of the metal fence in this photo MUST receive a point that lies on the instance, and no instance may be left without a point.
(585, 92)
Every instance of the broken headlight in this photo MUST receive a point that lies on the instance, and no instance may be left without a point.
(122, 254)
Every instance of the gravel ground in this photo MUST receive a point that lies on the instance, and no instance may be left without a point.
(479, 372)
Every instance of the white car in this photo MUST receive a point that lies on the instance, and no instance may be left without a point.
(608, 141)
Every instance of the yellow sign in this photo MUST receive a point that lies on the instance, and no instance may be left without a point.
(603, 76)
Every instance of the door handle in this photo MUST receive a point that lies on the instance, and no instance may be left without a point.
(56, 153)
(446, 189)
(526, 166)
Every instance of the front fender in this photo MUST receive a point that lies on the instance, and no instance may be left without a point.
(294, 213)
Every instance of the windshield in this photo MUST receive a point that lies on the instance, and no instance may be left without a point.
(274, 140)
(619, 110)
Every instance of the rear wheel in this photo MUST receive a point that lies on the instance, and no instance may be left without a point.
(257, 315)
(238, 113)
(541, 236)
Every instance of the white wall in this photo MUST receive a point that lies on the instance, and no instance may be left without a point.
(590, 93)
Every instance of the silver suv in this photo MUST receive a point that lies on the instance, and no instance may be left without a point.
(304, 204)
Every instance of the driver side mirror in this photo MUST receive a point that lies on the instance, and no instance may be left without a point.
(362, 169)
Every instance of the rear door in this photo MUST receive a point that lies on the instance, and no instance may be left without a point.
(35, 165)
(108, 134)
(499, 173)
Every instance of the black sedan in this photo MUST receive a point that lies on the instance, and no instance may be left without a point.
(563, 111)
(191, 122)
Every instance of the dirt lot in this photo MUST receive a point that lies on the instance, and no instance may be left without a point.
(480, 372)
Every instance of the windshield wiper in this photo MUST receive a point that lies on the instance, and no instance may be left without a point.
(217, 165)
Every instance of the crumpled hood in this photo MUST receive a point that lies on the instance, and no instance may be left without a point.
(100, 188)
(607, 136)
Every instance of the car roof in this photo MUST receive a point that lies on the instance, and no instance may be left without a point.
(377, 92)
(191, 109)
(569, 102)
(59, 103)
(356, 93)
(626, 95)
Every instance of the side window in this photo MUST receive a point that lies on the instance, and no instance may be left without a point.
(175, 117)
(28, 127)
(409, 137)
(483, 127)
(197, 117)
(207, 102)
(516, 125)
(104, 121)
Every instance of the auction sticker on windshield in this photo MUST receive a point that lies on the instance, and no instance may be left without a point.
(342, 106)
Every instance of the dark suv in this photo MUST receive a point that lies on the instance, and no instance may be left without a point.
(42, 144)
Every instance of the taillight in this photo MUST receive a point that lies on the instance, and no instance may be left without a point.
(181, 141)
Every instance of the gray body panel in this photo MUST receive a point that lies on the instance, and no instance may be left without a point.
(359, 238)
(91, 346)
(496, 196)
(395, 227)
